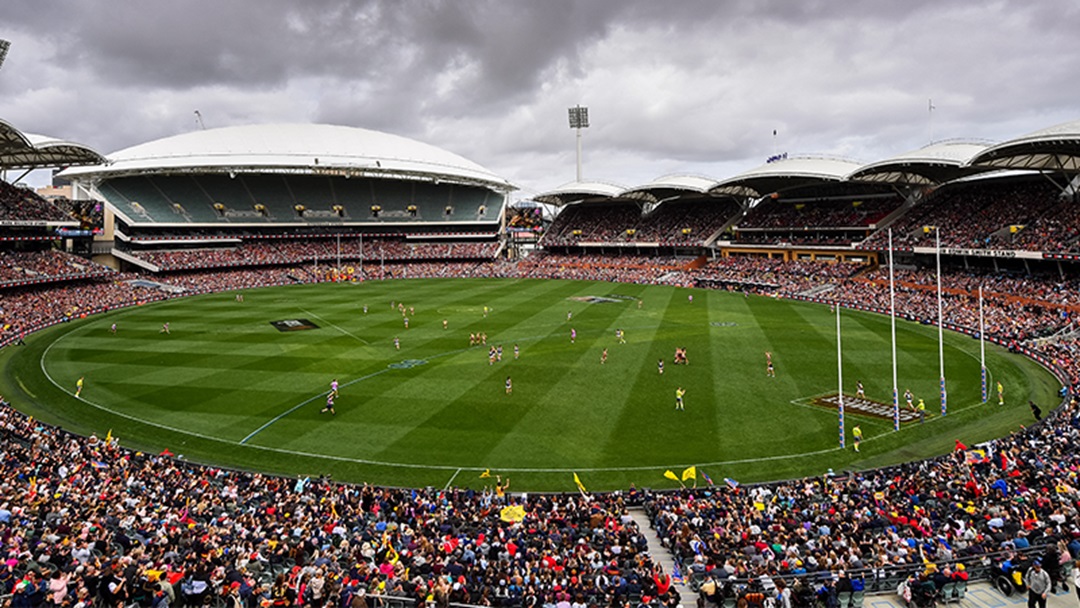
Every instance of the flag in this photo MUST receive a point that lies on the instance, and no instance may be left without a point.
(676, 573)
(580, 485)
(731, 483)
(671, 475)
(513, 513)
(706, 477)
(690, 473)
(960, 447)
(976, 456)
(108, 437)
(485, 474)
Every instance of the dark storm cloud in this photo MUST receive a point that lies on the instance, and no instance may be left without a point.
(696, 86)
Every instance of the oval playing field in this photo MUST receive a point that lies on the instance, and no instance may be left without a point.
(243, 384)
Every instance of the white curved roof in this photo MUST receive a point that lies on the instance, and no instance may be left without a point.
(20, 150)
(575, 191)
(309, 148)
(936, 163)
(693, 183)
(1055, 148)
(793, 171)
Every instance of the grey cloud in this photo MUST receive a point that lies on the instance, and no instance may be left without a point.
(695, 84)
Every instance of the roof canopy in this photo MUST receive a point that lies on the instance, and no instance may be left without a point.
(928, 166)
(1055, 148)
(670, 186)
(786, 174)
(295, 148)
(20, 150)
(574, 192)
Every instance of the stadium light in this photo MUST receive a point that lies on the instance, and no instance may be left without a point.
(4, 46)
(579, 119)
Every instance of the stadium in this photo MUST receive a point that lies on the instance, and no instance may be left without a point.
(178, 334)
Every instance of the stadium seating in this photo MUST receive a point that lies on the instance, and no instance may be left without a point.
(21, 205)
(979, 215)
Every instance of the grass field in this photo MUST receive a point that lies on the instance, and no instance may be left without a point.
(227, 387)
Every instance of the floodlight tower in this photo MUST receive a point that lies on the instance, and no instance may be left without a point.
(4, 46)
(579, 119)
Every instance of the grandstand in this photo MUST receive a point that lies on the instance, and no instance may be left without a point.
(188, 201)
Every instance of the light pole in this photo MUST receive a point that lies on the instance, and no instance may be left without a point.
(4, 46)
(579, 119)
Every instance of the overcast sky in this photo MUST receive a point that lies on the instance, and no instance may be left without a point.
(672, 87)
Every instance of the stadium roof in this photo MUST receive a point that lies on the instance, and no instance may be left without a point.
(669, 186)
(295, 148)
(786, 174)
(1055, 148)
(579, 191)
(930, 165)
(20, 150)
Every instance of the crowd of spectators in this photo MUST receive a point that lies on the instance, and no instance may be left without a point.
(24, 205)
(86, 522)
(779, 214)
(979, 216)
(811, 237)
(47, 265)
(591, 224)
(770, 274)
(669, 224)
(277, 252)
(1023, 494)
(600, 267)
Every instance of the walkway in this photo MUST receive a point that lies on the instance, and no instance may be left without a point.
(659, 552)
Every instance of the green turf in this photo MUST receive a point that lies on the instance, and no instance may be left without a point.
(227, 387)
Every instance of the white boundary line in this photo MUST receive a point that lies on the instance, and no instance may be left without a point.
(346, 332)
(451, 480)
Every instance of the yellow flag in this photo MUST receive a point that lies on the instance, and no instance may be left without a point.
(580, 485)
(690, 473)
(108, 437)
(671, 475)
(512, 513)
(485, 474)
